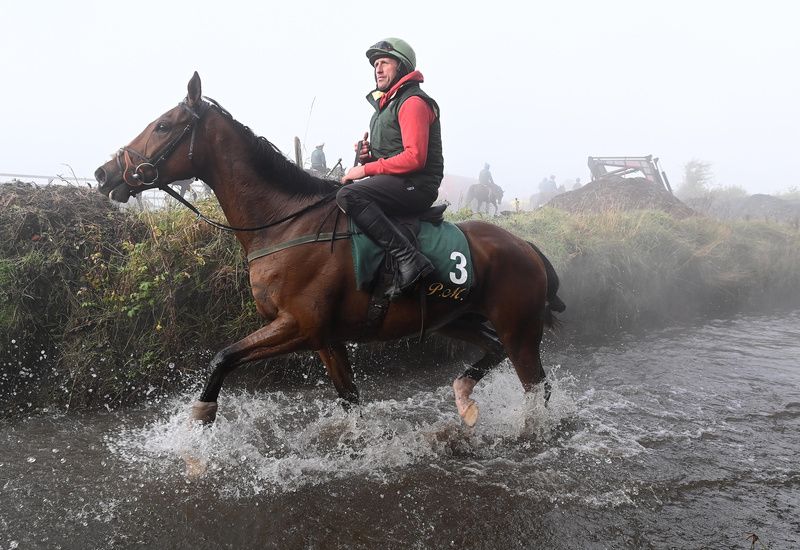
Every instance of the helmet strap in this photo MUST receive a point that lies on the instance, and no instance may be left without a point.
(402, 71)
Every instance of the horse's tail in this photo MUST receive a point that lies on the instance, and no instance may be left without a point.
(554, 303)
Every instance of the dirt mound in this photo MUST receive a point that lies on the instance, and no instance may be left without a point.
(620, 194)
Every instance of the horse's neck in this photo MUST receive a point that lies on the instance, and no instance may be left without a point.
(247, 197)
(249, 201)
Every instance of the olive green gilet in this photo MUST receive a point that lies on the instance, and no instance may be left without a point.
(387, 141)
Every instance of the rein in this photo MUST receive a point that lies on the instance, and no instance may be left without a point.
(171, 192)
(139, 173)
(261, 252)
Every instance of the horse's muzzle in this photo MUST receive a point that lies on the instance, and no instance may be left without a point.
(101, 176)
(110, 182)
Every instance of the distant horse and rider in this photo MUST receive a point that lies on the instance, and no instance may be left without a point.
(485, 193)
(483, 196)
(301, 262)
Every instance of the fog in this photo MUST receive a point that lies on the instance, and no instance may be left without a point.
(531, 90)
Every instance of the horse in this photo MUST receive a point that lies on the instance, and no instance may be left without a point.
(484, 195)
(185, 186)
(305, 289)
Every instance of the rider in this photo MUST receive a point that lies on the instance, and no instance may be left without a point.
(401, 168)
(318, 161)
(485, 178)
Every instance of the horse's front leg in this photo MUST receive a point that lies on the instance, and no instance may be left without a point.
(339, 370)
(279, 337)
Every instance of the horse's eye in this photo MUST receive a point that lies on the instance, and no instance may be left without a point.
(162, 127)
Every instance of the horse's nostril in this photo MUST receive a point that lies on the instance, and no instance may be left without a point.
(100, 176)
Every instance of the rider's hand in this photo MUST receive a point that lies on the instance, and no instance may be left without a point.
(354, 173)
(363, 155)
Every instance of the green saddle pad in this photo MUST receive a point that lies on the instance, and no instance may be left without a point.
(445, 246)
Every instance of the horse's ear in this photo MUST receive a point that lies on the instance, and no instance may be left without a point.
(195, 90)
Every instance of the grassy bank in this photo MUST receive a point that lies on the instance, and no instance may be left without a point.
(101, 307)
(621, 270)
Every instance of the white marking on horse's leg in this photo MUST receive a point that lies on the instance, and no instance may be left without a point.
(204, 411)
(467, 408)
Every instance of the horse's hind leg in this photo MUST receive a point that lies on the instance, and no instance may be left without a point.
(341, 374)
(477, 331)
(522, 340)
(483, 335)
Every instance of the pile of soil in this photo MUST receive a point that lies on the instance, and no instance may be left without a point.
(616, 193)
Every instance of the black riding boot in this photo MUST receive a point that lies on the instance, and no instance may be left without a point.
(411, 265)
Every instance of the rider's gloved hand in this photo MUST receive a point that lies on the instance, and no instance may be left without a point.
(364, 154)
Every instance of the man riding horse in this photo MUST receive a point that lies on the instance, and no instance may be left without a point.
(485, 193)
(401, 167)
(300, 255)
(485, 178)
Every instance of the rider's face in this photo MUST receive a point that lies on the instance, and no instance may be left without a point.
(385, 72)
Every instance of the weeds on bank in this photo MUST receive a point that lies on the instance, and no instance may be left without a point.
(100, 306)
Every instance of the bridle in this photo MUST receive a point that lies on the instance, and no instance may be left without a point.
(139, 171)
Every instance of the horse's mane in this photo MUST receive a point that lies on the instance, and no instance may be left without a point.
(270, 162)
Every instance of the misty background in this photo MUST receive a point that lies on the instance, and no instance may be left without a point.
(532, 89)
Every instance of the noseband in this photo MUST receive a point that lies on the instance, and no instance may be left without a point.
(148, 164)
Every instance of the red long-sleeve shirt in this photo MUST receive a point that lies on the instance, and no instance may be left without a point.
(415, 118)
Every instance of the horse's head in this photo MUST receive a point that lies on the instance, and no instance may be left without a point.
(161, 154)
(498, 195)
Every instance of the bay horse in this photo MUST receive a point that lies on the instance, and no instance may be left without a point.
(306, 293)
(483, 195)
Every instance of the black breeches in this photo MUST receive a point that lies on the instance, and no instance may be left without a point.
(394, 195)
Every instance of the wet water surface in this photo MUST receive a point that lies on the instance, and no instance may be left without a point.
(682, 438)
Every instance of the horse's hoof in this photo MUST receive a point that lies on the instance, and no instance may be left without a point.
(470, 414)
(204, 411)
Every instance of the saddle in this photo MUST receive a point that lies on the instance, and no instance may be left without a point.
(433, 215)
(442, 242)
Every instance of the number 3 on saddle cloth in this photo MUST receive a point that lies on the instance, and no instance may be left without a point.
(442, 242)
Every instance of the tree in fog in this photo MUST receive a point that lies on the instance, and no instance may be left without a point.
(792, 193)
(697, 178)
(730, 192)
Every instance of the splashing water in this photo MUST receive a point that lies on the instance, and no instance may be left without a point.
(281, 441)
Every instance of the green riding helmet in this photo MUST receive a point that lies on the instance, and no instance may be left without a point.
(396, 48)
